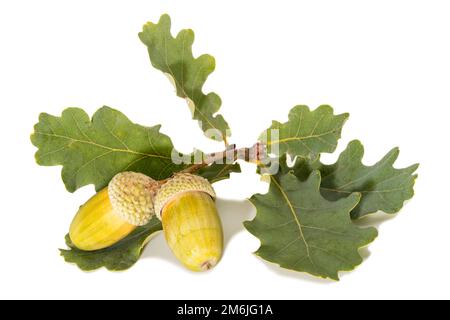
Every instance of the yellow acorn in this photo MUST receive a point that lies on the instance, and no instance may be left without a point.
(114, 212)
(191, 224)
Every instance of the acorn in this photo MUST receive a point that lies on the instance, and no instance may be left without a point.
(185, 205)
(114, 212)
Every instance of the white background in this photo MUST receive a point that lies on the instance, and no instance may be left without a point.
(385, 62)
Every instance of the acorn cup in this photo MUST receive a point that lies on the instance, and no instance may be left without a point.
(114, 212)
(185, 205)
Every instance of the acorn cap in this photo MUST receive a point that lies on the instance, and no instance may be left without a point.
(131, 195)
(180, 183)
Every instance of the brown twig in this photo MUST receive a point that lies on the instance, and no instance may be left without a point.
(253, 155)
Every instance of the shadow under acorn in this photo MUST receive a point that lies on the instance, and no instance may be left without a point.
(233, 213)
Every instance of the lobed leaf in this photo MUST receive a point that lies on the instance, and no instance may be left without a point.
(382, 187)
(174, 57)
(93, 152)
(306, 134)
(300, 230)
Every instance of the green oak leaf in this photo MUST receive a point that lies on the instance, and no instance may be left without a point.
(126, 253)
(174, 57)
(217, 172)
(93, 152)
(383, 187)
(302, 231)
(119, 257)
(306, 134)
